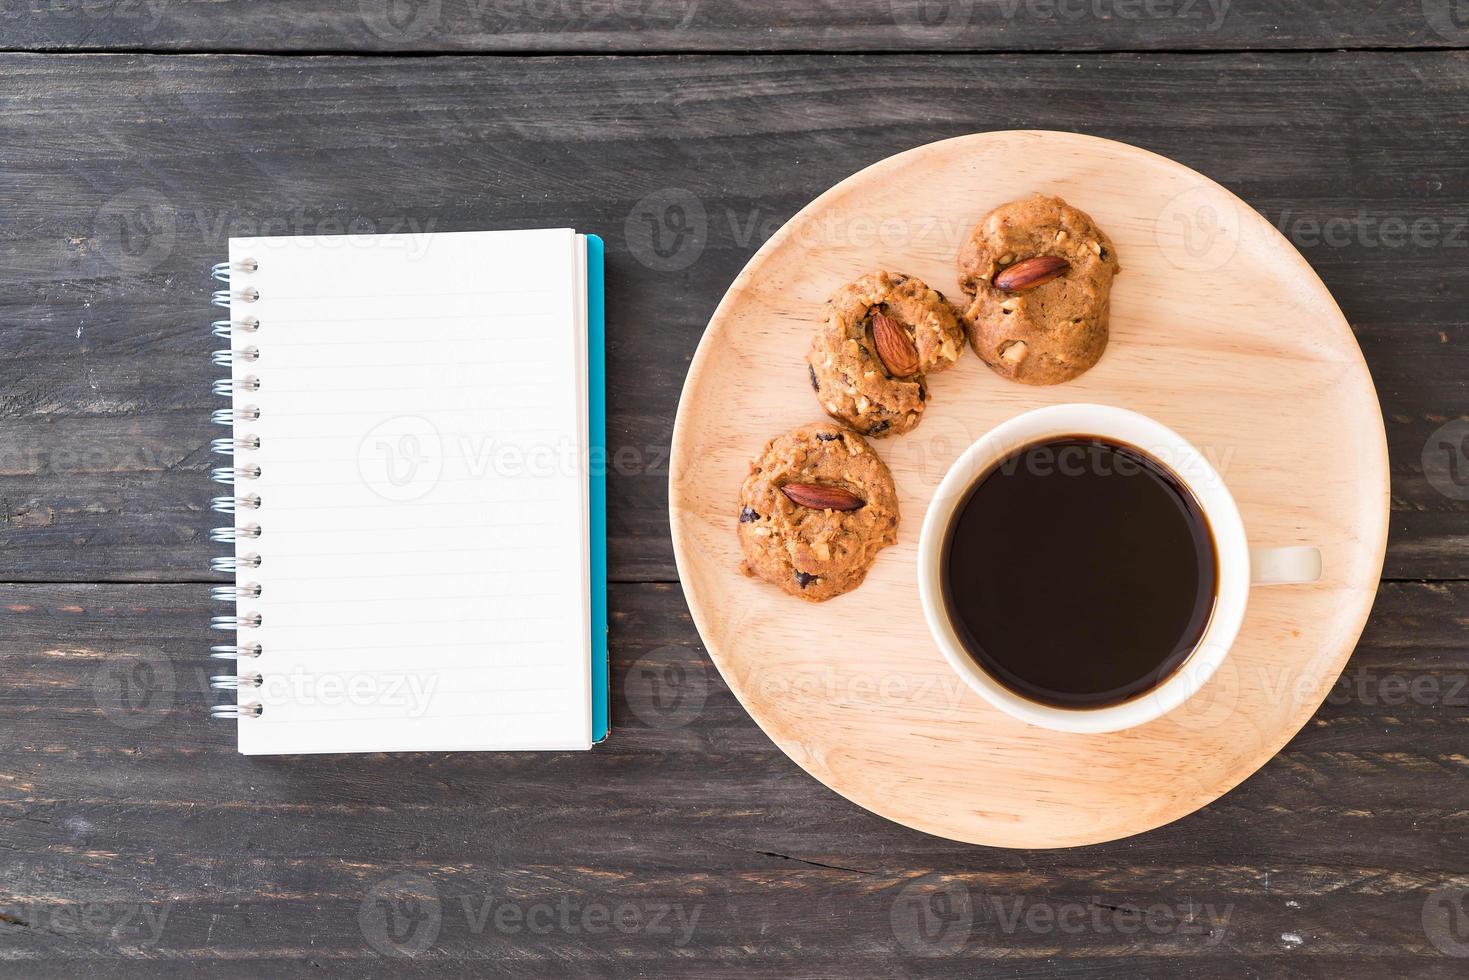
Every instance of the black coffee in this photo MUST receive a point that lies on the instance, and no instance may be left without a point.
(1079, 572)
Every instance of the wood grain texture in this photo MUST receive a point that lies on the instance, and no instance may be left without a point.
(121, 800)
(124, 177)
(649, 26)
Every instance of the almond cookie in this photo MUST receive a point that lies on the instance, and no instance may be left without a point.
(880, 335)
(1039, 276)
(816, 509)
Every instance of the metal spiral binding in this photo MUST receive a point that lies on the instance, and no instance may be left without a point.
(226, 387)
(227, 358)
(251, 710)
(234, 651)
(233, 505)
(229, 416)
(249, 621)
(225, 297)
(229, 535)
(237, 444)
(229, 563)
(234, 474)
(235, 682)
(232, 593)
(228, 447)
(221, 270)
(225, 329)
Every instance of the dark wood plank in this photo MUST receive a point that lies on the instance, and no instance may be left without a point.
(645, 26)
(125, 176)
(118, 798)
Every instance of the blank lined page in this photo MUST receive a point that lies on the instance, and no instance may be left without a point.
(423, 543)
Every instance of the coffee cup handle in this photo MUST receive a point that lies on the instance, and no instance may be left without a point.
(1298, 565)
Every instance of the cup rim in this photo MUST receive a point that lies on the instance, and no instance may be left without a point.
(1188, 464)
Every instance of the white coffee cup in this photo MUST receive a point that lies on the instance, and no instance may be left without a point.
(1239, 566)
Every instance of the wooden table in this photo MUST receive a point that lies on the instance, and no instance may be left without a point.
(136, 136)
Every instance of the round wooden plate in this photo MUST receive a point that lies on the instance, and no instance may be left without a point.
(1220, 330)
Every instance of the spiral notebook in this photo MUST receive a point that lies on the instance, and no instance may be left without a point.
(416, 450)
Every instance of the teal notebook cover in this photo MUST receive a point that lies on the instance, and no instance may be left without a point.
(597, 458)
